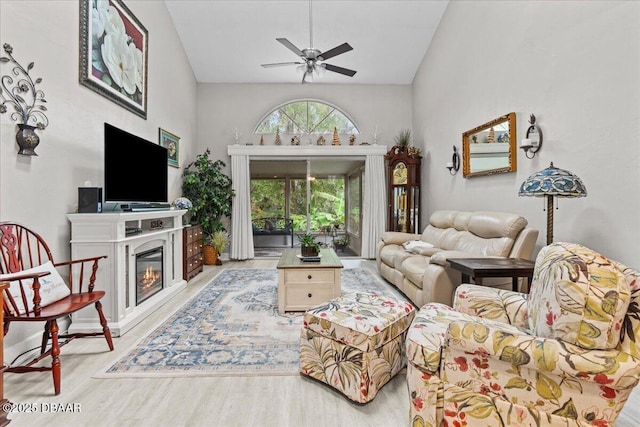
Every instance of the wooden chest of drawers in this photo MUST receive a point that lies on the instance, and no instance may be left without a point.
(192, 239)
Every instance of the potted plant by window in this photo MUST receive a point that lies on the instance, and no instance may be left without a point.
(211, 195)
(219, 243)
(341, 242)
(308, 245)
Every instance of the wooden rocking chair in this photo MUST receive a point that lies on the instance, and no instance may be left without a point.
(39, 294)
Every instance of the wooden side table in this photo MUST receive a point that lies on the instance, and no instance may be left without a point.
(479, 268)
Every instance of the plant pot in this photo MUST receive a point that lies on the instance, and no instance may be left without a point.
(309, 251)
(27, 140)
(210, 255)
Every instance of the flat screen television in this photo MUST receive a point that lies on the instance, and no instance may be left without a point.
(135, 170)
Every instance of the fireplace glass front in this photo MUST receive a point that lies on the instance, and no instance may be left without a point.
(149, 277)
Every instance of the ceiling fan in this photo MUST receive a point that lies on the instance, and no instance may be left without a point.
(313, 59)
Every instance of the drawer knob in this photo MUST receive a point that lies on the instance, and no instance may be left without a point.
(309, 295)
(309, 277)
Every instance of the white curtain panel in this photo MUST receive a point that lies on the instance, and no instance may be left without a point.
(374, 215)
(241, 231)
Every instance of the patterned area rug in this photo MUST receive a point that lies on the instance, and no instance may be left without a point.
(231, 327)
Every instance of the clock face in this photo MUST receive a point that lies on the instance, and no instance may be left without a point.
(400, 174)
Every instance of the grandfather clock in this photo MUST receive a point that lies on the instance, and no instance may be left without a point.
(403, 189)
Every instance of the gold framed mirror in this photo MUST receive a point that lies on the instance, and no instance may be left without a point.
(490, 148)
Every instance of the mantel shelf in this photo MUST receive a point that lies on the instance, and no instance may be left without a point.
(305, 150)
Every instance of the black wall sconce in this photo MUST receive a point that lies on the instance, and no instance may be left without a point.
(454, 164)
(532, 141)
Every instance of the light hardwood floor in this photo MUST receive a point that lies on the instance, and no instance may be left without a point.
(213, 401)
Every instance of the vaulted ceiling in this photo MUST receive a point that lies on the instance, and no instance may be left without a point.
(227, 41)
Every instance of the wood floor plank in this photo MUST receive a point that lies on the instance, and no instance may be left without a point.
(204, 401)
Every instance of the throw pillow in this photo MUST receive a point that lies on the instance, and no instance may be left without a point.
(416, 245)
(52, 288)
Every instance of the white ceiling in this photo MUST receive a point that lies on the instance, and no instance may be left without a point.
(226, 41)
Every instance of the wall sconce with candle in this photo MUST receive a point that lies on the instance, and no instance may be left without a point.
(532, 141)
(454, 164)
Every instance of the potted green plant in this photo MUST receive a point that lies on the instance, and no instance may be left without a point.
(308, 245)
(341, 242)
(211, 195)
(219, 242)
(403, 140)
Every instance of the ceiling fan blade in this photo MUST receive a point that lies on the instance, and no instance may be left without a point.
(279, 64)
(291, 47)
(336, 69)
(344, 47)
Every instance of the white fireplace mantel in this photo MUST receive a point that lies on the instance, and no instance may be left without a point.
(97, 234)
(256, 152)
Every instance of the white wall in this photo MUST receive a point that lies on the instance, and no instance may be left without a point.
(576, 66)
(40, 191)
(224, 107)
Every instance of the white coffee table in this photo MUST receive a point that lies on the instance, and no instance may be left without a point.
(303, 285)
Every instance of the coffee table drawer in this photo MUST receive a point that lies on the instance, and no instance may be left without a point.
(309, 276)
(302, 295)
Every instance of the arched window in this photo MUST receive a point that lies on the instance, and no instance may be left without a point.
(306, 116)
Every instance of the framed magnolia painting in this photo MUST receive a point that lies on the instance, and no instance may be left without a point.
(113, 53)
(172, 143)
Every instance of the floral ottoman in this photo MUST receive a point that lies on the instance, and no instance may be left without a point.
(355, 343)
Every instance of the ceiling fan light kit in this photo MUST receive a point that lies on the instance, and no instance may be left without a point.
(313, 59)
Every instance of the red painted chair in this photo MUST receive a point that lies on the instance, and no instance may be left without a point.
(39, 294)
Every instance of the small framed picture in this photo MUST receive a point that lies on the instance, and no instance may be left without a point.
(172, 143)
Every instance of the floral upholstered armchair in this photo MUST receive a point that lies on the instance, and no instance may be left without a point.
(566, 354)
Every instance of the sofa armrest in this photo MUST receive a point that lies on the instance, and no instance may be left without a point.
(493, 303)
(506, 343)
(396, 237)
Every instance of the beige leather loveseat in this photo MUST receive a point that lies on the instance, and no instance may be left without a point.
(419, 268)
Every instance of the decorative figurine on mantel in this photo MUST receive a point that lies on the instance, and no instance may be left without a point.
(278, 140)
(261, 139)
(295, 140)
(352, 139)
(492, 136)
(336, 137)
(321, 140)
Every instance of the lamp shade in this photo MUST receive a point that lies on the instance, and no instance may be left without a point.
(553, 181)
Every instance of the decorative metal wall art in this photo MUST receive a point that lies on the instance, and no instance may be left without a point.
(18, 91)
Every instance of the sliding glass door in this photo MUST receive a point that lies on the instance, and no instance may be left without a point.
(314, 194)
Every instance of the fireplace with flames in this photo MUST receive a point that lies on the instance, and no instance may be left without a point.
(148, 274)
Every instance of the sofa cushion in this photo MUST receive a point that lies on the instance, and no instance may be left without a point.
(469, 242)
(388, 253)
(443, 219)
(578, 296)
(413, 269)
(496, 224)
(441, 238)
